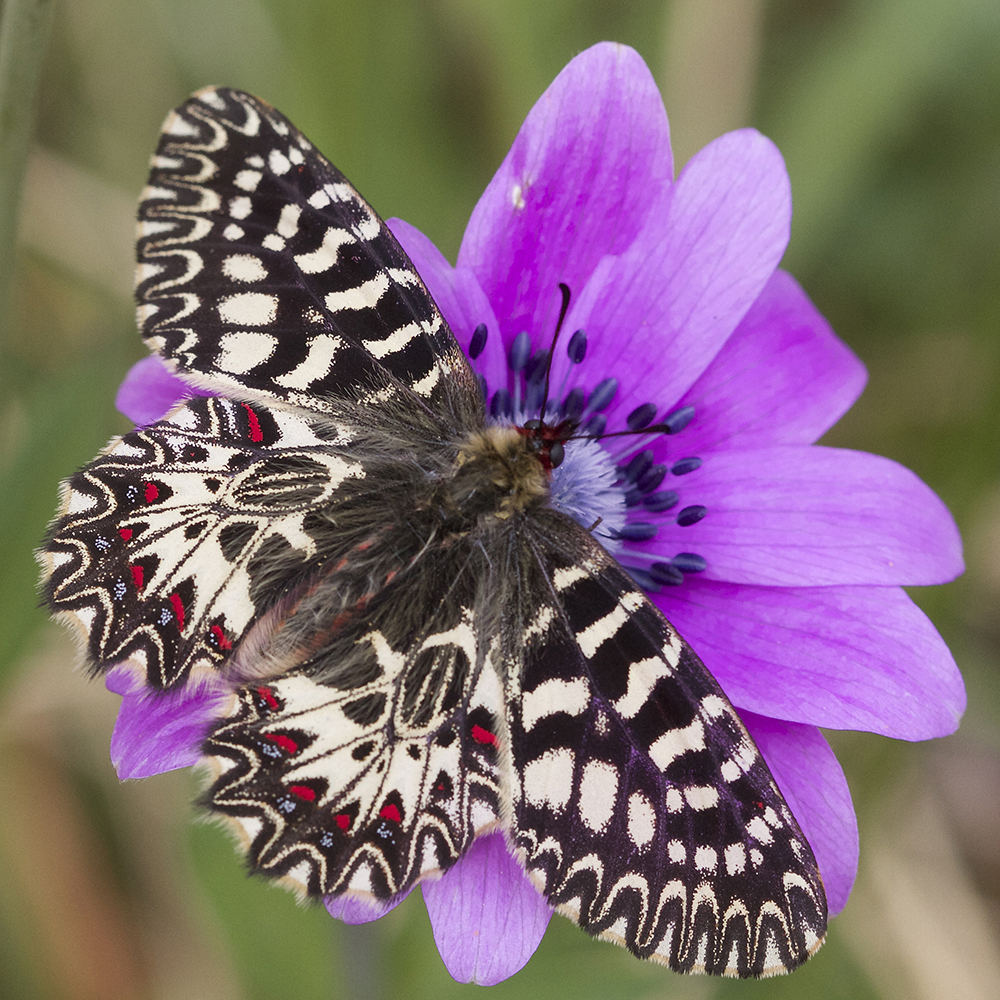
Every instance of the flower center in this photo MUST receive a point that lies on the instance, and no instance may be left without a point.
(606, 479)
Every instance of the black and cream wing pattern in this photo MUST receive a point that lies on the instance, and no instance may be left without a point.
(420, 647)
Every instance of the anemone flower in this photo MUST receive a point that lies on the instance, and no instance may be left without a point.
(781, 562)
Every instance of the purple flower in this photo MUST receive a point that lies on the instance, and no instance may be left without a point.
(779, 561)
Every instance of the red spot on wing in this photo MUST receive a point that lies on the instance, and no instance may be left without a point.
(137, 576)
(256, 434)
(152, 492)
(285, 742)
(267, 695)
(126, 533)
(342, 820)
(220, 637)
(389, 811)
(481, 735)
(178, 606)
(303, 792)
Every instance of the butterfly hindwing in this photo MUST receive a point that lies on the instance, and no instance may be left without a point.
(176, 540)
(643, 807)
(262, 270)
(377, 761)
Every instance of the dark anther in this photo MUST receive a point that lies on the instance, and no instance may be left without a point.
(483, 388)
(501, 405)
(478, 341)
(637, 531)
(603, 394)
(651, 478)
(633, 497)
(641, 416)
(642, 578)
(666, 574)
(572, 407)
(685, 465)
(659, 502)
(577, 347)
(637, 465)
(556, 454)
(675, 422)
(520, 351)
(535, 396)
(536, 367)
(691, 515)
(689, 562)
(594, 427)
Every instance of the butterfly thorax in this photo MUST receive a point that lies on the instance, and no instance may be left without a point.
(497, 473)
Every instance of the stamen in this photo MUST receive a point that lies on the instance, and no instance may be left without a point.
(602, 395)
(689, 562)
(685, 465)
(666, 574)
(691, 515)
(577, 347)
(595, 425)
(536, 367)
(640, 417)
(637, 531)
(520, 351)
(644, 579)
(483, 388)
(572, 406)
(651, 478)
(637, 466)
(478, 341)
(502, 405)
(674, 423)
(656, 503)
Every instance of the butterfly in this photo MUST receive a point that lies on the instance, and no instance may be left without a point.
(420, 646)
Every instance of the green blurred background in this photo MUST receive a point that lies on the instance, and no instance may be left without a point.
(888, 113)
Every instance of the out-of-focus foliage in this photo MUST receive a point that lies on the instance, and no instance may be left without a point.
(888, 112)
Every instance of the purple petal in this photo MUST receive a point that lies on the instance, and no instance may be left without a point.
(462, 302)
(811, 779)
(793, 516)
(149, 392)
(840, 657)
(578, 182)
(159, 731)
(783, 377)
(657, 315)
(488, 919)
(353, 910)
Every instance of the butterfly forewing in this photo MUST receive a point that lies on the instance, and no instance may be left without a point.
(262, 270)
(411, 666)
(642, 805)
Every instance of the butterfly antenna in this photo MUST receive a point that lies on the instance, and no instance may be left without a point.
(564, 288)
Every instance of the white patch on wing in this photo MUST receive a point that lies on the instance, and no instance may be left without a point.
(247, 180)
(549, 779)
(594, 636)
(676, 742)
(705, 859)
(641, 819)
(325, 256)
(317, 362)
(551, 696)
(244, 267)
(363, 296)
(736, 859)
(242, 351)
(598, 793)
(249, 309)
(642, 678)
(700, 797)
